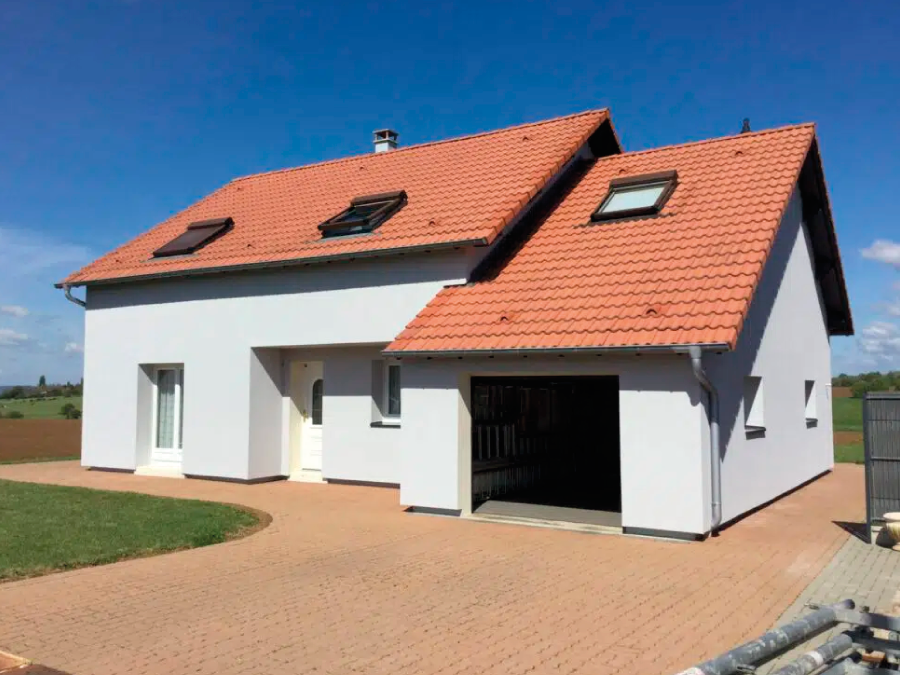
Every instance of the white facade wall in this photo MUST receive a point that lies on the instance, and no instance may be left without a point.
(785, 342)
(665, 473)
(227, 331)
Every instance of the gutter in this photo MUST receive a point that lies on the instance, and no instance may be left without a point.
(67, 289)
(715, 458)
(540, 351)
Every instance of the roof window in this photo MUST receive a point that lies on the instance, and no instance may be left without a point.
(635, 196)
(197, 235)
(364, 214)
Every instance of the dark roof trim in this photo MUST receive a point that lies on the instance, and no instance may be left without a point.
(826, 256)
(211, 222)
(658, 177)
(381, 197)
(538, 351)
(297, 262)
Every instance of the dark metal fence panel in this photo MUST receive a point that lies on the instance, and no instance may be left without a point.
(881, 430)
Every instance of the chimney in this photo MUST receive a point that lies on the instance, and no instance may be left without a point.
(385, 139)
(745, 127)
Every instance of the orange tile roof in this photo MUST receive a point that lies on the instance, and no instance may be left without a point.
(460, 191)
(685, 276)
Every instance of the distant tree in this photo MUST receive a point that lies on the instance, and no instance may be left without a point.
(14, 415)
(70, 412)
(42, 381)
(15, 392)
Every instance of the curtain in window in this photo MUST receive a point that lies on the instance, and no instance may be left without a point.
(393, 391)
(165, 409)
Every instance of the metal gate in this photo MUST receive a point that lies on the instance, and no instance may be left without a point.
(881, 429)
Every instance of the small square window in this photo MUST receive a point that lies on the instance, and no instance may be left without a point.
(636, 196)
(754, 405)
(810, 392)
(196, 236)
(364, 214)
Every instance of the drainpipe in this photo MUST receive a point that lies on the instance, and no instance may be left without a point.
(715, 461)
(71, 298)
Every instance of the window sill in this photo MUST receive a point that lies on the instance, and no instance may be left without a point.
(386, 424)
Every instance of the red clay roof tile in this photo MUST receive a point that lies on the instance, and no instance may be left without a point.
(460, 190)
(581, 284)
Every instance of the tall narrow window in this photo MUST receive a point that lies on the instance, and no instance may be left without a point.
(318, 391)
(169, 408)
(392, 391)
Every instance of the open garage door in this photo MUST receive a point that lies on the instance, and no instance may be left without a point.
(550, 441)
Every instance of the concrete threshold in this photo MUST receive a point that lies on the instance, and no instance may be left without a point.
(588, 528)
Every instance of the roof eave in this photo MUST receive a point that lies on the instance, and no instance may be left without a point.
(276, 264)
(676, 348)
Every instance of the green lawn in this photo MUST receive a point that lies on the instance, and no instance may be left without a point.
(37, 407)
(847, 413)
(851, 453)
(45, 528)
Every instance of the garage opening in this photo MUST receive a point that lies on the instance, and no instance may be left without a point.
(547, 448)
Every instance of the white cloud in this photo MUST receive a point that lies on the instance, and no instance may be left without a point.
(893, 308)
(881, 340)
(10, 338)
(25, 253)
(73, 348)
(14, 310)
(884, 251)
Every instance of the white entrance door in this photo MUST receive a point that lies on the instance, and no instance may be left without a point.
(168, 413)
(308, 389)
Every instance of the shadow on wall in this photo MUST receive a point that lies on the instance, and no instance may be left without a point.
(314, 278)
(732, 367)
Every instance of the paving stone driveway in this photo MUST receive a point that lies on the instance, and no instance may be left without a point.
(343, 581)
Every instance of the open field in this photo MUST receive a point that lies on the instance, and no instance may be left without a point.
(50, 527)
(32, 439)
(39, 408)
(848, 429)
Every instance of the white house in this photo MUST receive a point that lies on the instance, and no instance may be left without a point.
(527, 322)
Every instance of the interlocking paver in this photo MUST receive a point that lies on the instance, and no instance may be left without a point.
(344, 581)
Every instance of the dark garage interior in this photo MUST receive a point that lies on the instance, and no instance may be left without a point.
(549, 442)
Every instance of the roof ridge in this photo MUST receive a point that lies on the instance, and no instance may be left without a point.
(717, 139)
(453, 139)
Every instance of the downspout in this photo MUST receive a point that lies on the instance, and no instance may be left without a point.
(67, 289)
(715, 461)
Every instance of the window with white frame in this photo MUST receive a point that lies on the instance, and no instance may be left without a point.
(391, 400)
(169, 407)
(754, 404)
(810, 393)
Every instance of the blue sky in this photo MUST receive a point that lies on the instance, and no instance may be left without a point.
(117, 113)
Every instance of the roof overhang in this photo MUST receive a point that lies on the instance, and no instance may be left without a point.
(550, 351)
(826, 257)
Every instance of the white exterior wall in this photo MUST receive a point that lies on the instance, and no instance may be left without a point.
(665, 472)
(225, 330)
(784, 341)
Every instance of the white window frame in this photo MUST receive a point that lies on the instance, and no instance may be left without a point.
(386, 416)
(177, 441)
(755, 407)
(809, 392)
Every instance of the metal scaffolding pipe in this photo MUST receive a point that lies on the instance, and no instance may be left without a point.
(772, 642)
(815, 659)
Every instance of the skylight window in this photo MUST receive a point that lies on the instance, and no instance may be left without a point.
(364, 214)
(636, 196)
(197, 235)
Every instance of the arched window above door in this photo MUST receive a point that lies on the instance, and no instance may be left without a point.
(318, 389)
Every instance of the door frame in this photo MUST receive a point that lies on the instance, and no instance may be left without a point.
(296, 425)
(177, 435)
